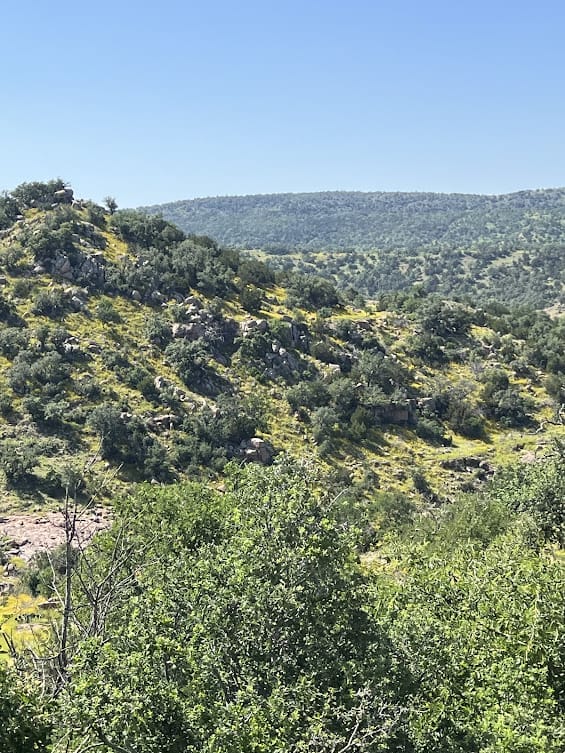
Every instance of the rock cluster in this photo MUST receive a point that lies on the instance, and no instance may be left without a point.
(256, 450)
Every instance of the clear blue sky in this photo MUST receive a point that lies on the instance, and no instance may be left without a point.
(152, 102)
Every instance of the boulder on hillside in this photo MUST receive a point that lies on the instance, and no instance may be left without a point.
(64, 196)
(256, 450)
(249, 327)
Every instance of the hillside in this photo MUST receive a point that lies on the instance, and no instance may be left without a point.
(132, 352)
(352, 535)
(509, 248)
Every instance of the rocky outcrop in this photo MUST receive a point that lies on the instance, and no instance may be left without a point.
(469, 464)
(281, 363)
(163, 422)
(63, 196)
(256, 450)
(84, 268)
(299, 336)
(199, 324)
(249, 327)
(400, 414)
(191, 331)
(165, 385)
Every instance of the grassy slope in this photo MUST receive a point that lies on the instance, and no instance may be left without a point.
(388, 456)
(392, 454)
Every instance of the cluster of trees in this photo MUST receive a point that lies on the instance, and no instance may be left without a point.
(251, 620)
(507, 247)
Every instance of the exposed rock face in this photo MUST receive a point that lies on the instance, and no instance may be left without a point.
(29, 534)
(198, 324)
(71, 345)
(299, 336)
(64, 196)
(191, 331)
(193, 301)
(403, 414)
(281, 362)
(87, 269)
(164, 385)
(256, 450)
(250, 326)
(166, 421)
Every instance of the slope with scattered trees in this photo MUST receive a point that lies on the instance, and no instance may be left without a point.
(353, 536)
(509, 248)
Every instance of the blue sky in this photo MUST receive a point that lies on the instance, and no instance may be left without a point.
(152, 102)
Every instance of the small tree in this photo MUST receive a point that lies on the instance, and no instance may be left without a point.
(111, 204)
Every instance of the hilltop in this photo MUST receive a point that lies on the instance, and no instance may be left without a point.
(509, 248)
(131, 351)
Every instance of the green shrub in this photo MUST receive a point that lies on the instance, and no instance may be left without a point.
(18, 461)
(106, 312)
(50, 303)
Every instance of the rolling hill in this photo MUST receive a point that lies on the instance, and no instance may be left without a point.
(141, 353)
(509, 248)
(350, 536)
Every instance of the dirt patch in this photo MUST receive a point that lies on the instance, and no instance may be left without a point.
(26, 534)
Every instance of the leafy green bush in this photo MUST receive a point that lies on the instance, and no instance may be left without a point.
(37, 193)
(432, 431)
(107, 313)
(18, 460)
(251, 298)
(502, 402)
(52, 303)
(308, 395)
(26, 724)
(13, 340)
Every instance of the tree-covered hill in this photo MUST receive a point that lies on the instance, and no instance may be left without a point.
(335, 528)
(509, 247)
(127, 345)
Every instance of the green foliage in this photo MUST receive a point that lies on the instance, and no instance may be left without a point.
(539, 490)
(555, 386)
(310, 292)
(13, 340)
(169, 265)
(107, 313)
(107, 422)
(37, 194)
(468, 631)
(445, 319)
(6, 309)
(507, 248)
(477, 614)
(47, 569)
(18, 459)
(451, 403)
(9, 210)
(145, 232)
(25, 724)
(247, 632)
(503, 402)
(50, 303)
(251, 298)
(308, 395)
(124, 438)
(212, 437)
(255, 272)
(190, 360)
(325, 424)
(432, 431)
(111, 204)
